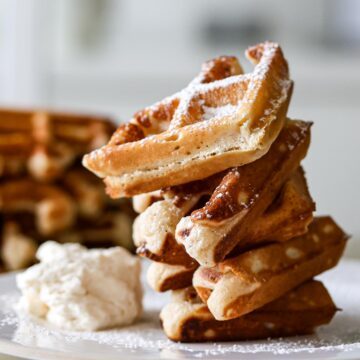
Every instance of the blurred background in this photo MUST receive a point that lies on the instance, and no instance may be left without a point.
(116, 56)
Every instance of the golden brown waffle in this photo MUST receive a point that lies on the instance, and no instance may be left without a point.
(206, 128)
(20, 236)
(288, 216)
(86, 191)
(245, 283)
(53, 208)
(112, 228)
(298, 312)
(44, 143)
(213, 231)
(154, 229)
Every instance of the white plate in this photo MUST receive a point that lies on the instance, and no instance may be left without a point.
(21, 336)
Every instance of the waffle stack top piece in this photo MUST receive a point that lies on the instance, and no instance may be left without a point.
(45, 193)
(225, 211)
(186, 138)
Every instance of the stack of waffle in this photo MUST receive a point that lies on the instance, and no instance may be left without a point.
(45, 193)
(225, 211)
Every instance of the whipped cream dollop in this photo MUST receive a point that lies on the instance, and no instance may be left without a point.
(77, 289)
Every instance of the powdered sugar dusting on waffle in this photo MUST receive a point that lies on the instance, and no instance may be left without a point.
(221, 111)
(195, 94)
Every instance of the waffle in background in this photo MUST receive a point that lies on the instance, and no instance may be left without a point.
(45, 193)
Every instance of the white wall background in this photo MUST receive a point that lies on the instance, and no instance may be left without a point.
(116, 56)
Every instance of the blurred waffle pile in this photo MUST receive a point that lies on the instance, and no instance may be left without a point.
(45, 193)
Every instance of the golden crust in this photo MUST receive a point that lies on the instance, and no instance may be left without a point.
(298, 312)
(258, 276)
(154, 229)
(287, 217)
(212, 232)
(192, 149)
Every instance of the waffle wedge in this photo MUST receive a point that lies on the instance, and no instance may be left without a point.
(247, 282)
(204, 129)
(213, 231)
(154, 229)
(299, 312)
(288, 216)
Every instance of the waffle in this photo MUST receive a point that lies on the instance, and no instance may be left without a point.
(206, 128)
(20, 236)
(213, 231)
(17, 249)
(245, 283)
(154, 229)
(288, 216)
(53, 208)
(163, 277)
(86, 190)
(46, 193)
(43, 143)
(298, 312)
(112, 228)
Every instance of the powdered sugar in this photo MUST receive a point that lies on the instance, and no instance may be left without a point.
(147, 340)
(221, 111)
(196, 91)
